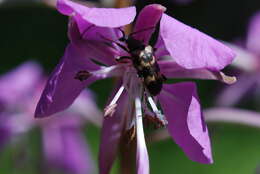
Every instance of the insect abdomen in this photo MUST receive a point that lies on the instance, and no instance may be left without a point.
(153, 84)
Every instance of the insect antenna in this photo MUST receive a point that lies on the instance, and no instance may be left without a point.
(155, 35)
(118, 44)
(124, 37)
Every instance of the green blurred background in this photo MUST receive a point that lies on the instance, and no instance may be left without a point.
(31, 31)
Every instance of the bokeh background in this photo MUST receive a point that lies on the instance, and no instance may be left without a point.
(31, 30)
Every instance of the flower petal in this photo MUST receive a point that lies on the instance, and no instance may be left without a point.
(64, 147)
(111, 134)
(142, 159)
(253, 41)
(80, 29)
(102, 17)
(97, 51)
(244, 60)
(5, 131)
(172, 70)
(181, 107)
(85, 106)
(62, 88)
(161, 50)
(192, 49)
(148, 17)
(19, 82)
(232, 115)
(231, 95)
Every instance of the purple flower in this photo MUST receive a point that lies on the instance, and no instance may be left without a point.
(233, 115)
(93, 54)
(247, 60)
(63, 143)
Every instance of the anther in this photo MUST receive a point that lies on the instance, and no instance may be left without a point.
(110, 109)
(152, 119)
(82, 75)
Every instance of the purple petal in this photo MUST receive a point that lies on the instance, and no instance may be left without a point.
(13, 124)
(148, 17)
(85, 106)
(192, 49)
(19, 82)
(62, 88)
(142, 159)
(253, 41)
(5, 132)
(111, 134)
(181, 107)
(102, 17)
(231, 95)
(80, 29)
(92, 43)
(244, 60)
(172, 70)
(161, 50)
(232, 115)
(98, 51)
(64, 147)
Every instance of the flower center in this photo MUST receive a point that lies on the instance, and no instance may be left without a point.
(136, 91)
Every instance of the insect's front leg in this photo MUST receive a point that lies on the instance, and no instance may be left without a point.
(123, 59)
(164, 78)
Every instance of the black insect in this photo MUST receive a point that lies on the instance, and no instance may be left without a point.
(142, 57)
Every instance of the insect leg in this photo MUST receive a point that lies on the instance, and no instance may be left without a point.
(118, 44)
(154, 37)
(124, 37)
(123, 58)
(164, 78)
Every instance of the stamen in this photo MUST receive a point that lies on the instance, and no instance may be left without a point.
(102, 72)
(153, 105)
(141, 151)
(158, 113)
(110, 109)
(106, 71)
(153, 119)
(138, 108)
(139, 122)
